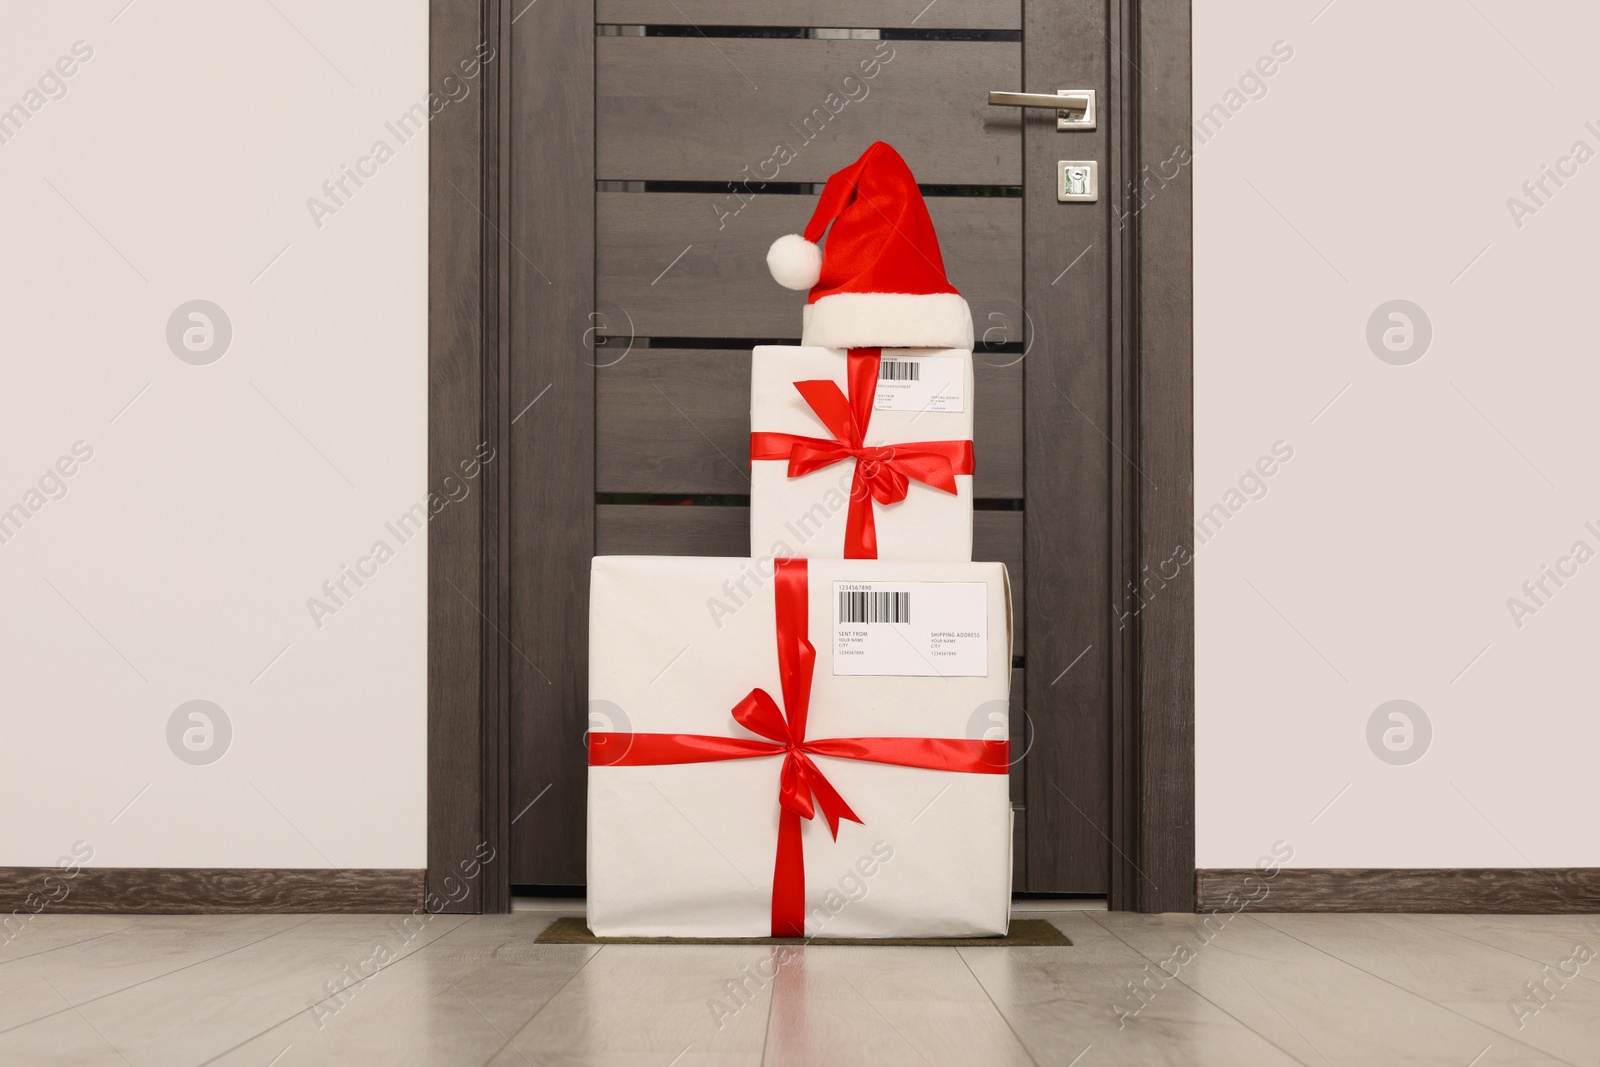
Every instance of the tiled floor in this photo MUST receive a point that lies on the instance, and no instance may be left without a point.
(268, 991)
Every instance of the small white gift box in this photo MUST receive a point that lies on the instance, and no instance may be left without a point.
(862, 453)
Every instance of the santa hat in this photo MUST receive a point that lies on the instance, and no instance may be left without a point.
(881, 282)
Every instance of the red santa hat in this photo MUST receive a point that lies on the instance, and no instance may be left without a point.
(881, 282)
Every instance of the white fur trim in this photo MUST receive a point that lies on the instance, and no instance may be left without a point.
(888, 320)
(795, 262)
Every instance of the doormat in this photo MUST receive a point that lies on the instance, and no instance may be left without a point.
(1025, 933)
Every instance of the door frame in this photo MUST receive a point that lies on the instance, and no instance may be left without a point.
(469, 306)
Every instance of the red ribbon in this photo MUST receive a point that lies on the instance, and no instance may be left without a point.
(882, 473)
(801, 779)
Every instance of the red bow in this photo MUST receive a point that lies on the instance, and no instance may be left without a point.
(801, 778)
(882, 473)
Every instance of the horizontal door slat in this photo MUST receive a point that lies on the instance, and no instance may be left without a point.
(744, 109)
(675, 265)
(670, 420)
(665, 530)
(868, 14)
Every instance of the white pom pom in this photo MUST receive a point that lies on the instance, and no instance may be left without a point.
(795, 262)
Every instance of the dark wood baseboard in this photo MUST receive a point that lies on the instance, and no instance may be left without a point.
(1503, 890)
(208, 890)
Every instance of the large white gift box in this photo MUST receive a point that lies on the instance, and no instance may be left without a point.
(798, 747)
(861, 453)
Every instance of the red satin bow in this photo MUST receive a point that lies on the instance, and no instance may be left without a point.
(882, 473)
(801, 778)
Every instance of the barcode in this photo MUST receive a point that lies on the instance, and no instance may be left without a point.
(899, 370)
(874, 607)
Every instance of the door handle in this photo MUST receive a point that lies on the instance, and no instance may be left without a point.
(1074, 108)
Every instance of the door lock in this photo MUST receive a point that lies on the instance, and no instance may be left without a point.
(1077, 181)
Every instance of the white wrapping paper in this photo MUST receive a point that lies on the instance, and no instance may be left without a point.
(688, 850)
(805, 516)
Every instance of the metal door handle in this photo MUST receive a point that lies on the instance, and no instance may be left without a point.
(1074, 108)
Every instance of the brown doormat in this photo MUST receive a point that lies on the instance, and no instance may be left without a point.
(1025, 933)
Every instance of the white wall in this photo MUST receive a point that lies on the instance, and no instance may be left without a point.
(1420, 497)
(219, 497)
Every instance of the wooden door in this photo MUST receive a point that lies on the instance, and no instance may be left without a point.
(656, 148)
